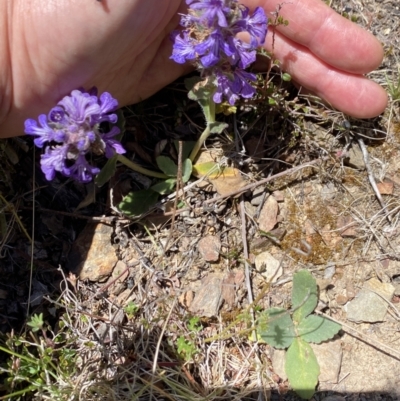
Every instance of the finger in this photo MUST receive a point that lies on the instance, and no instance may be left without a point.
(332, 38)
(350, 93)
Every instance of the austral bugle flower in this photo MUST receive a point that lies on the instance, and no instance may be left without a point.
(70, 133)
(209, 40)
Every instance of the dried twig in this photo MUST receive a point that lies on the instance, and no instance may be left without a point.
(374, 343)
(371, 177)
(246, 188)
(179, 186)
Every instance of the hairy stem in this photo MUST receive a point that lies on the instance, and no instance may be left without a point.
(209, 113)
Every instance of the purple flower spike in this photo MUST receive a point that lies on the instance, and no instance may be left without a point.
(209, 40)
(71, 132)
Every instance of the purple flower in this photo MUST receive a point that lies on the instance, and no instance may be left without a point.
(81, 170)
(242, 79)
(242, 55)
(214, 11)
(209, 40)
(231, 86)
(111, 145)
(255, 25)
(53, 160)
(225, 89)
(44, 131)
(71, 132)
(210, 49)
(183, 48)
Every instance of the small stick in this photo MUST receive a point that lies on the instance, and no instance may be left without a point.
(246, 264)
(371, 342)
(371, 177)
(253, 185)
(161, 337)
(179, 185)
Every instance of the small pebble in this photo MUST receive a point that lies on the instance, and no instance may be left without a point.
(330, 271)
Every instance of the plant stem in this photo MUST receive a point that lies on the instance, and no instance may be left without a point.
(24, 357)
(23, 392)
(135, 167)
(199, 143)
(209, 113)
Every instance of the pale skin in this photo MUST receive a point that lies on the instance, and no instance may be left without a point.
(50, 47)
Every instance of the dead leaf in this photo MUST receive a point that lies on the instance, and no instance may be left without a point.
(229, 180)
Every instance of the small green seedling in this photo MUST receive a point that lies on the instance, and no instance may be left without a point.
(393, 86)
(295, 329)
(186, 348)
(40, 368)
(131, 309)
(194, 325)
(186, 345)
(36, 323)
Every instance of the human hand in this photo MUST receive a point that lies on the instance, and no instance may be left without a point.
(327, 55)
(50, 47)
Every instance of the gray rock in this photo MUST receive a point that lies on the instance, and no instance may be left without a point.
(208, 298)
(328, 191)
(278, 362)
(92, 255)
(268, 266)
(330, 270)
(355, 158)
(209, 248)
(329, 357)
(368, 306)
(268, 215)
(258, 196)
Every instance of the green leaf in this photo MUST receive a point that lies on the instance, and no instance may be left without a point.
(276, 328)
(217, 127)
(187, 147)
(316, 329)
(286, 77)
(36, 323)
(186, 170)
(186, 348)
(131, 309)
(165, 187)
(138, 202)
(194, 324)
(202, 91)
(304, 295)
(167, 166)
(107, 171)
(210, 169)
(302, 368)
